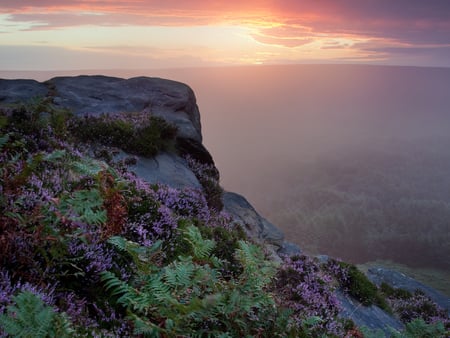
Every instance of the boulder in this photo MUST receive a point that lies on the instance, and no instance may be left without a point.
(20, 91)
(289, 249)
(256, 226)
(173, 101)
(167, 169)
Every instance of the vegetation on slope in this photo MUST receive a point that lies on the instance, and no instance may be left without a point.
(89, 249)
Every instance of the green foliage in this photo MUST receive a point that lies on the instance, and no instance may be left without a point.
(3, 140)
(369, 333)
(389, 291)
(109, 132)
(31, 318)
(201, 248)
(360, 287)
(146, 138)
(87, 205)
(141, 256)
(227, 240)
(189, 296)
(152, 138)
(37, 114)
(213, 192)
(86, 167)
(418, 328)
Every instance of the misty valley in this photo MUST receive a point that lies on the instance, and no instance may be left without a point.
(349, 161)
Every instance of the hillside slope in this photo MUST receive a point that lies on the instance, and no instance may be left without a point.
(113, 223)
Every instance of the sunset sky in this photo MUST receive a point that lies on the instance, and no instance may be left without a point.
(137, 34)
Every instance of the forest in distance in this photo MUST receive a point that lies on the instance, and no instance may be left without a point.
(349, 161)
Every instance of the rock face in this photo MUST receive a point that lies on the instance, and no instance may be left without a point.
(255, 225)
(371, 317)
(167, 169)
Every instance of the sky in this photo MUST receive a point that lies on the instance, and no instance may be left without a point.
(138, 34)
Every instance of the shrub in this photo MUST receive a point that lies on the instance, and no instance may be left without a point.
(418, 328)
(146, 135)
(189, 296)
(208, 177)
(361, 288)
(30, 317)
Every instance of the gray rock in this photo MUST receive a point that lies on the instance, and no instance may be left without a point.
(371, 317)
(255, 225)
(399, 280)
(21, 91)
(323, 259)
(289, 249)
(171, 100)
(167, 169)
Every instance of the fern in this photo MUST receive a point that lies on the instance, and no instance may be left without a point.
(145, 327)
(87, 204)
(118, 287)
(31, 318)
(190, 297)
(201, 247)
(55, 156)
(257, 270)
(87, 167)
(179, 274)
(3, 140)
(142, 257)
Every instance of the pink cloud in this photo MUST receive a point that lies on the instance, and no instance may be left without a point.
(404, 21)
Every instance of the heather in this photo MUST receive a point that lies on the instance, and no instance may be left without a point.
(87, 248)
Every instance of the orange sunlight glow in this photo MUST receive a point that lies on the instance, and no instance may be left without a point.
(199, 33)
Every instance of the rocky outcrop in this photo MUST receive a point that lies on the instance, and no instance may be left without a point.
(173, 101)
(19, 91)
(399, 280)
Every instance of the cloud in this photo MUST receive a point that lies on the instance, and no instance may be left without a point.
(287, 36)
(410, 20)
(421, 24)
(409, 54)
(112, 57)
(407, 21)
